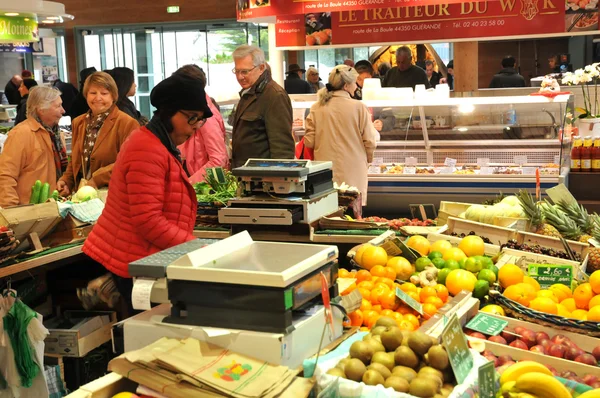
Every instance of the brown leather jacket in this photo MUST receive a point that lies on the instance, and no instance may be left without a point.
(262, 124)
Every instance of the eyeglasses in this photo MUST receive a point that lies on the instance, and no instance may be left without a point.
(243, 72)
(194, 119)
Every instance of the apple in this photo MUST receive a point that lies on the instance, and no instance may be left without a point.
(573, 353)
(508, 336)
(590, 379)
(588, 359)
(477, 335)
(553, 370)
(497, 339)
(545, 343)
(528, 337)
(487, 353)
(539, 336)
(502, 368)
(519, 344)
(559, 339)
(504, 359)
(595, 385)
(567, 374)
(539, 349)
(557, 350)
(577, 379)
(492, 358)
(570, 344)
(596, 353)
(519, 330)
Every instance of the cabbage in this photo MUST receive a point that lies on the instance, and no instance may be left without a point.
(84, 194)
(511, 200)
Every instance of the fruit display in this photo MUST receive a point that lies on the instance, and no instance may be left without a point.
(407, 362)
(530, 379)
(537, 249)
(398, 223)
(507, 207)
(463, 235)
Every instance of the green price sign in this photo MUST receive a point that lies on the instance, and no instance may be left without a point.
(18, 30)
(455, 342)
(548, 275)
(411, 302)
(487, 324)
(487, 381)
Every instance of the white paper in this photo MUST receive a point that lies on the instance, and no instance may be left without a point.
(484, 171)
(410, 170)
(410, 161)
(557, 159)
(520, 160)
(140, 295)
(213, 332)
(377, 161)
(529, 170)
(483, 162)
(374, 170)
(450, 162)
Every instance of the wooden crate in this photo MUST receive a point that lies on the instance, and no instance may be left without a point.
(520, 224)
(490, 250)
(497, 235)
(522, 259)
(551, 242)
(450, 209)
(464, 305)
(26, 219)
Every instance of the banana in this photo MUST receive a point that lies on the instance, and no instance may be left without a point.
(521, 395)
(542, 385)
(521, 368)
(591, 394)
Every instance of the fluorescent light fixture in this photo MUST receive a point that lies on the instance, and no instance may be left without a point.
(463, 129)
(11, 14)
(54, 18)
(172, 9)
(466, 108)
(49, 21)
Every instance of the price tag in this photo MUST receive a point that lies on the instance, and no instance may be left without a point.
(377, 161)
(447, 170)
(395, 247)
(483, 162)
(487, 381)
(344, 283)
(487, 324)
(410, 170)
(374, 169)
(557, 159)
(451, 163)
(529, 171)
(548, 275)
(411, 302)
(410, 161)
(520, 160)
(455, 342)
(351, 302)
(486, 171)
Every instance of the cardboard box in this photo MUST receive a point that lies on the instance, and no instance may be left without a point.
(90, 330)
(276, 348)
(26, 219)
(104, 387)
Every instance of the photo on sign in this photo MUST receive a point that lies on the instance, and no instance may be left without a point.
(243, 5)
(581, 15)
(259, 3)
(318, 28)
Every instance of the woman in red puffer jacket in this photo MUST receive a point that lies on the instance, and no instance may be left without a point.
(151, 204)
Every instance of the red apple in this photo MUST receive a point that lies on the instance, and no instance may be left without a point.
(567, 374)
(492, 358)
(590, 379)
(487, 353)
(595, 385)
(559, 339)
(528, 337)
(539, 349)
(577, 379)
(596, 353)
(497, 339)
(557, 350)
(573, 353)
(502, 368)
(508, 336)
(504, 359)
(545, 343)
(539, 336)
(588, 359)
(569, 343)
(519, 344)
(477, 335)
(553, 370)
(519, 330)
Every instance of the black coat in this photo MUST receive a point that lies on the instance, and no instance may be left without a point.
(12, 93)
(125, 105)
(295, 85)
(68, 94)
(507, 77)
(22, 110)
(435, 79)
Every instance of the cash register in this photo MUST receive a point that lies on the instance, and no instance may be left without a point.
(281, 192)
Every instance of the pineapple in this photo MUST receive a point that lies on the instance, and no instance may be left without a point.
(534, 213)
(594, 253)
(563, 224)
(580, 216)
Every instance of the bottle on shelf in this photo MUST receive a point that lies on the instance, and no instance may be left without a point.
(586, 154)
(596, 155)
(576, 154)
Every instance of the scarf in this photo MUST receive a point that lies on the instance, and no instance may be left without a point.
(60, 152)
(158, 128)
(93, 124)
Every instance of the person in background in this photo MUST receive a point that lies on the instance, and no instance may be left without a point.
(554, 64)
(24, 89)
(432, 76)
(339, 129)
(450, 79)
(405, 74)
(206, 148)
(11, 90)
(312, 77)
(262, 122)
(294, 84)
(383, 69)
(33, 150)
(151, 204)
(365, 71)
(68, 94)
(97, 136)
(26, 74)
(349, 62)
(508, 76)
(126, 86)
(80, 105)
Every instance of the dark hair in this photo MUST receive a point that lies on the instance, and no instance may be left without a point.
(383, 68)
(29, 83)
(193, 71)
(124, 79)
(428, 63)
(26, 74)
(364, 66)
(450, 64)
(509, 61)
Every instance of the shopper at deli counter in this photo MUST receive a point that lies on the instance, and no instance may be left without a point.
(312, 77)
(339, 129)
(97, 136)
(432, 76)
(262, 122)
(405, 74)
(294, 84)
(24, 89)
(33, 150)
(151, 204)
(508, 76)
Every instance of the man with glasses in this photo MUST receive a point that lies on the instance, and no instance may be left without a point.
(262, 123)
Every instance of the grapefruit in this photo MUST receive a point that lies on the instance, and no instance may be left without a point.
(419, 243)
(404, 269)
(454, 253)
(458, 280)
(441, 246)
(493, 309)
(472, 245)
(373, 256)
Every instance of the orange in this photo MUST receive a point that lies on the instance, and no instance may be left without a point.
(440, 246)
(377, 308)
(544, 304)
(594, 314)
(530, 281)
(367, 315)
(371, 323)
(382, 285)
(349, 289)
(376, 294)
(412, 319)
(595, 281)
(363, 275)
(562, 311)
(373, 256)
(397, 317)
(356, 318)
(390, 273)
(408, 287)
(510, 274)
(360, 251)
(582, 295)
(429, 310)
(415, 296)
(569, 304)
(579, 314)
(388, 313)
(454, 253)
(343, 273)
(594, 302)
(427, 292)
(389, 300)
(419, 243)
(403, 268)
(406, 325)
(472, 245)
(369, 285)
(520, 293)
(435, 301)
(561, 291)
(385, 281)
(460, 279)
(548, 294)
(366, 305)
(378, 270)
(442, 292)
(404, 309)
(366, 294)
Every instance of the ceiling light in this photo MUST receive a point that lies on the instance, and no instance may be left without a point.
(47, 21)
(11, 14)
(463, 129)
(54, 18)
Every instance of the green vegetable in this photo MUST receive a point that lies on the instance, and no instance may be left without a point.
(45, 193)
(55, 195)
(215, 191)
(36, 192)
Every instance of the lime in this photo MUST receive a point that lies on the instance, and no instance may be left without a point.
(486, 262)
(452, 264)
(461, 263)
(495, 270)
(481, 289)
(421, 263)
(487, 275)
(434, 255)
(439, 263)
(442, 275)
(473, 265)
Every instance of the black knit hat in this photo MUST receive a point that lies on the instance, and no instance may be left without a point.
(29, 83)
(179, 92)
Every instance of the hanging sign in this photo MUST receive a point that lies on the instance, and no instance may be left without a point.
(18, 30)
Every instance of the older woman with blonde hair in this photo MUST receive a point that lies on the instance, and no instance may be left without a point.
(339, 129)
(97, 136)
(33, 150)
(312, 77)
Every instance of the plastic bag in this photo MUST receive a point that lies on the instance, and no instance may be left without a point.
(15, 325)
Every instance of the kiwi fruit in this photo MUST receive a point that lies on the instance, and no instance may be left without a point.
(386, 321)
(420, 343)
(376, 345)
(367, 337)
(342, 364)
(336, 372)
(377, 338)
(362, 350)
(372, 378)
(404, 356)
(382, 369)
(438, 357)
(355, 369)
(392, 338)
(377, 330)
(422, 387)
(384, 358)
(397, 383)
(433, 374)
(404, 372)
(405, 333)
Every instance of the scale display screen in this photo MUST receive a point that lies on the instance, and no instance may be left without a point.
(277, 163)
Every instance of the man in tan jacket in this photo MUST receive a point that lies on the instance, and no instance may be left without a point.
(29, 150)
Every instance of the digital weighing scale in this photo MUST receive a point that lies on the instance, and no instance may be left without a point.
(237, 283)
(8, 112)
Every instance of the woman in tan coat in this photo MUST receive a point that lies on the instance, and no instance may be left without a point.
(97, 136)
(339, 129)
